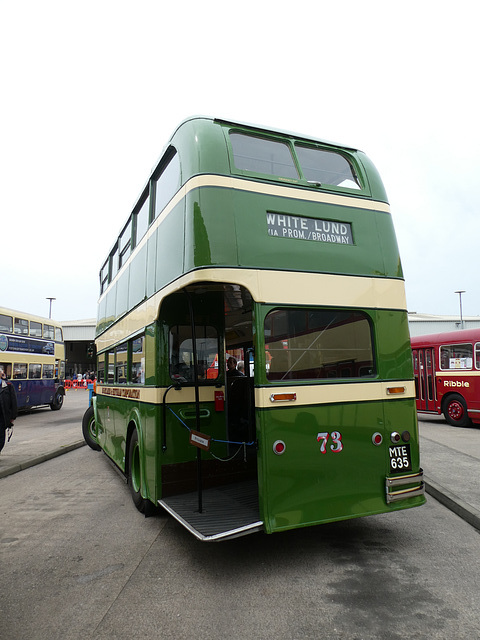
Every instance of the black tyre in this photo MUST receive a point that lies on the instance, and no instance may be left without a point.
(57, 403)
(89, 430)
(455, 411)
(134, 477)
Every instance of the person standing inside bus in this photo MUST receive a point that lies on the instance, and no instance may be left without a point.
(8, 406)
(232, 371)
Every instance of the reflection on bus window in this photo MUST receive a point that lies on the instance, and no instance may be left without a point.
(21, 327)
(111, 367)
(104, 275)
(6, 323)
(121, 357)
(48, 370)
(125, 243)
(326, 167)
(477, 355)
(35, 329)
(101, 368)
(456, 356)
(138, 361)
(167, 184)
(310, 344)
(48, 332)
(142, 221)
(19, 371)
(260, 155)
(181, 353)
(6, 367)
(34, 371)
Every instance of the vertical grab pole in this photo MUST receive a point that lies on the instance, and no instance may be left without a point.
(197, 399)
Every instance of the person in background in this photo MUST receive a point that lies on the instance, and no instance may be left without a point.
(8, 406)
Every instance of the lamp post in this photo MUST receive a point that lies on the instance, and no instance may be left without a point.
(50, 311)
(461, 315)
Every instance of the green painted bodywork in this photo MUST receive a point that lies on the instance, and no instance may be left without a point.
(215, 226)
(218, 226)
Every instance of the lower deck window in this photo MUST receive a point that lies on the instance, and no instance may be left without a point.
(181, 353)
(19, 370)
(306, 344)
(35, 371)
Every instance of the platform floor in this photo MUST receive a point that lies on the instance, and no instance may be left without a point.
(228, 511)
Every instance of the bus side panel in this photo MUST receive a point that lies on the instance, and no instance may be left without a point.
(106, 408)
(330, 470)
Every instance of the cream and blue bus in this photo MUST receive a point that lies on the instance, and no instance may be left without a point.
(32, 355)
(277, 249)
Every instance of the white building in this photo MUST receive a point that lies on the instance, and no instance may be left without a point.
(422, 324)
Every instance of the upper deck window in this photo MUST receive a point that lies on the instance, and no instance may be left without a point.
(35, 328)
(142, 220)
(49, 332)
(125, 243)
(104, 275)
(167, 183)
(326, 167)
(21, 326)
(261, 155)
(6, 323)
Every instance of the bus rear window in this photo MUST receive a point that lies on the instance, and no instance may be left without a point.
(326, 167)
(304, 344)
(261, 155)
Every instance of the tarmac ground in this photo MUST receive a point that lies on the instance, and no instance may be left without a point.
(450, 456)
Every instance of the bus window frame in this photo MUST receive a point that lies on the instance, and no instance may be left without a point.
(17, 326)
(454, 345)
(350, 162)
(292, 142)
(6, 328)
(327, 369)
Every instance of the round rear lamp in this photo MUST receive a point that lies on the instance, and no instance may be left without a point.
(395, 437)
(377, 439)
(279, 447)
(406, 436)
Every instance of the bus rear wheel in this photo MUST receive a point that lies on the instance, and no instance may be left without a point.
(57, 403)
(455, 411)
(89, 429)
(134, 477)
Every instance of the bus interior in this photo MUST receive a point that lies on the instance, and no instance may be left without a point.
(214, 490)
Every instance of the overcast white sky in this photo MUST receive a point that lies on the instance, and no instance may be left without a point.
(92, 90)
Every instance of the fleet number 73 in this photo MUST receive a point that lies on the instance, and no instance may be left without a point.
(337, 444)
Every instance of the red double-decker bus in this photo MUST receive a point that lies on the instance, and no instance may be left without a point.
(447, 375)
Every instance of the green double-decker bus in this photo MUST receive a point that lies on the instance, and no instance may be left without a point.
(254, 364)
